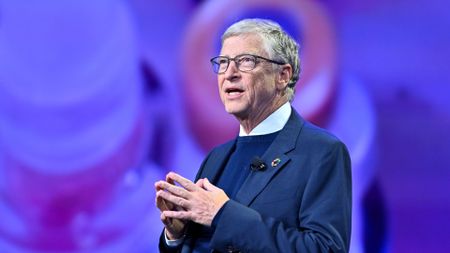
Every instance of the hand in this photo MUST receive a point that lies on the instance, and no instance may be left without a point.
(174, 228)
(199, 202)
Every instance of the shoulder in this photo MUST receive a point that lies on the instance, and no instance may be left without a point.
(311, 132)
(315, 138)
(224, 146)
(220, 150)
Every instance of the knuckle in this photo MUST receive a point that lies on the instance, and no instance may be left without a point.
(181, 202)
(178, 191)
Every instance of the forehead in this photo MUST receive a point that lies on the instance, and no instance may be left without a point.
(245, 43)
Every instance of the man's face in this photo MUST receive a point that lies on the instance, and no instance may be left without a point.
(248, 95)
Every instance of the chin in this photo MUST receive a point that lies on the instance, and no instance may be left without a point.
(232, 109)
(240, 114)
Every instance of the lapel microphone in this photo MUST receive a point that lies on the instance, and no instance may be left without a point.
(257, 164)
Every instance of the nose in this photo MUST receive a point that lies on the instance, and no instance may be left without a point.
(232, 72)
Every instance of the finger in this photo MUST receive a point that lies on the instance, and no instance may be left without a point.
(182, 215)
(157, 186)
(208, 186)
(176, 190)
(199, 183)
(165, 220)
(172, 223)
(160, 204)
(163, 205)
(186, 183)
(169, 180)
(174, 199)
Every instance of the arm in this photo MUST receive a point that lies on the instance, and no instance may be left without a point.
(324, 216)
(164, 247)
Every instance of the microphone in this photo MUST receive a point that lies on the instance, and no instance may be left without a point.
(257, 164)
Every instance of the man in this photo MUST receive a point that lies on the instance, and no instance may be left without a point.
(283, 185)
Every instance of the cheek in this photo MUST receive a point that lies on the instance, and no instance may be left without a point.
(261, 88)
(219, 84)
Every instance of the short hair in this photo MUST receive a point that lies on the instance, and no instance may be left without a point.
(279, 45)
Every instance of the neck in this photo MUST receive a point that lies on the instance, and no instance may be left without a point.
(250, 122)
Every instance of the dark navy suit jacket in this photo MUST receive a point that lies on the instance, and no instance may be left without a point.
(301, 204)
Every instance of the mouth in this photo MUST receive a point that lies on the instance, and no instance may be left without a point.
(233, 91)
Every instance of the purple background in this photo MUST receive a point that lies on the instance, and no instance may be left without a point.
(396, 50)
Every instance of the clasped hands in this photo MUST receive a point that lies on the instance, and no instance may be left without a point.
(198, 202)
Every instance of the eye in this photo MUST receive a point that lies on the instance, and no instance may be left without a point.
(246, 59)
(222, 61)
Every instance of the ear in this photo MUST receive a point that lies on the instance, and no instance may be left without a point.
(284, 76)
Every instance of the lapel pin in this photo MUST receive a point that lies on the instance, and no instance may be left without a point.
(275, 162)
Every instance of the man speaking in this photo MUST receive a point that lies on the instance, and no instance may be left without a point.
(282, 185)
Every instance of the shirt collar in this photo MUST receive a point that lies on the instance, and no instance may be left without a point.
(275, 122)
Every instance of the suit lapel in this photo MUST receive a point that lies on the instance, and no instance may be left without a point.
(275, 159)
(216, 162)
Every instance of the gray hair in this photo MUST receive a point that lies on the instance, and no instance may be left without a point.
(279, 45)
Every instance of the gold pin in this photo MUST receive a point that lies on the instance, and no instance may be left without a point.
(275, 162)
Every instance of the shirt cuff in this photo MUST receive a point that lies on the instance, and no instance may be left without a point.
(173, 243)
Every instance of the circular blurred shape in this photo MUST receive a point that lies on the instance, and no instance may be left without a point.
(308, 23)
(354, 122)
(70, 90)
(72, 123)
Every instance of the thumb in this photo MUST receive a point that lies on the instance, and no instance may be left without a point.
(208, 186)
(199, 183)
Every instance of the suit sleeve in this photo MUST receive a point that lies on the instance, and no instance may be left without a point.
(164, 248)
(324, 216)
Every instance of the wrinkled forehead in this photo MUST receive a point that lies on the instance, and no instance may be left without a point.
(252, 43)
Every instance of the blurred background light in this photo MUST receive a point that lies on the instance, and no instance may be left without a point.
(99, 99)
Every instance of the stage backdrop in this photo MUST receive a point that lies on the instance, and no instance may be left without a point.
(99, 99)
